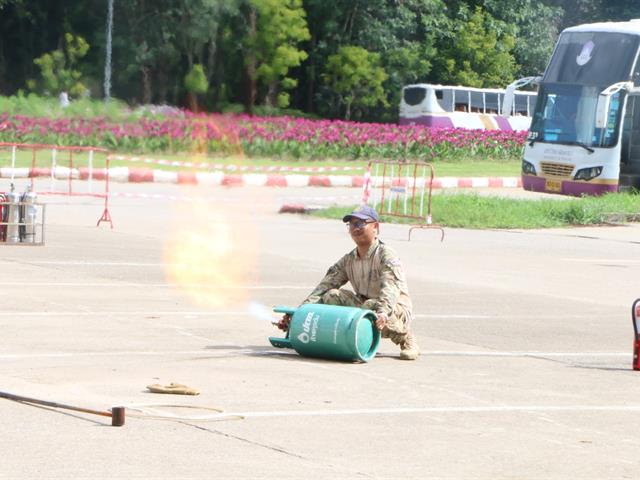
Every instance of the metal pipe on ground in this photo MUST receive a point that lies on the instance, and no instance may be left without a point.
(116, 414)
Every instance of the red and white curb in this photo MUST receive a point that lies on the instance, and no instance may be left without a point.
(145, 175)
(232, 168)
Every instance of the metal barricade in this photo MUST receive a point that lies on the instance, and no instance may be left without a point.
(63, 165)
(404, 191)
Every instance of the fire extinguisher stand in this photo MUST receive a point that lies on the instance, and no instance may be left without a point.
(22, 218)
(635, 315)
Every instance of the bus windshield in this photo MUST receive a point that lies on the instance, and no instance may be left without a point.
(592, 58)
(565, 114)
(582, 66)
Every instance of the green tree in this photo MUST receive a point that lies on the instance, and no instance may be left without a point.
(356, 77)
(276, 29)
(196, 84)
(4, 3)
(620, 10)
(199, 28)
(534, 26)
(404, 65)
(402, 32)
(479, 57)
(145, 50)
(589, 11)
(581, 11)
(59, 68)
(196, 81)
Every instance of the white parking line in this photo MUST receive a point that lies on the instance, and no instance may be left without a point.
(77, 263)
(602, 260)
(526, 354)
(239, 349)
(452, 409)
(154, 285)
(84, 313)
(153, 313)
(510, 316)
(123, 312)
(126, 353)
(89, 264)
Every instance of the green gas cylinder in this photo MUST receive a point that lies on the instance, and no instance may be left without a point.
(330, 331)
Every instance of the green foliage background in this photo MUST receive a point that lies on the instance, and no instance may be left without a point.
(283, 53)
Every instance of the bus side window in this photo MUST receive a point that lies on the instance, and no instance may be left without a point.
(447, 100)
(477, 101)
(461, 100)
(521, 105)
(491, 101)
(531, 103)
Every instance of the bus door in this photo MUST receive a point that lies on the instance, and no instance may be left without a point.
(630, 155)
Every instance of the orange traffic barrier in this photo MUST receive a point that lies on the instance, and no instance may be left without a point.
(62, 164)
(401, 189)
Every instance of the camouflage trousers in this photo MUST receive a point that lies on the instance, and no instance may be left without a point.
(398, 323)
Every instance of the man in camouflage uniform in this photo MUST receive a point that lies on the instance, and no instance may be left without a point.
(378, 281)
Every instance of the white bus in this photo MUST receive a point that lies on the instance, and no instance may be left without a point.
(585, 134)
(464, 107)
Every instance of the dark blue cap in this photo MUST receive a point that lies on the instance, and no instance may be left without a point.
(365, 212)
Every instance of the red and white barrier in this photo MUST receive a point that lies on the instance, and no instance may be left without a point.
(232, 168)
(67, 173)
(145, 175)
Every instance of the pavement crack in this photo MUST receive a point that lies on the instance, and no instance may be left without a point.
(272, 448)
(246, 440)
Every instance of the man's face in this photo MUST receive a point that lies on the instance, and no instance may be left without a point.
(363, 232)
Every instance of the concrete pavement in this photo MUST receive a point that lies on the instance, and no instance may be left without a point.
(526, 339)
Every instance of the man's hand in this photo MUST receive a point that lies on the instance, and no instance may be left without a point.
(283, 323)
(381, 321)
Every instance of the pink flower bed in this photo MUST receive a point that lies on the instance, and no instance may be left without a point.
(263, 136)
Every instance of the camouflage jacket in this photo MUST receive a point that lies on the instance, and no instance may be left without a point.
(379, 275)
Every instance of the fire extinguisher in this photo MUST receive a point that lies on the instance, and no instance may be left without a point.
(635, 316)
(28, 215)
(13, 216)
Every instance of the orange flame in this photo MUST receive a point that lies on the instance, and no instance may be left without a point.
(210, 256)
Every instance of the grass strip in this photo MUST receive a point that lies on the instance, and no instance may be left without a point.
(470, 210)
(443, 167)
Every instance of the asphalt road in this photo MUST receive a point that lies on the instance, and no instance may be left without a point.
(526, 341)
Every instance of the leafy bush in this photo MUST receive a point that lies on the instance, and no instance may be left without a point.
(196, 81)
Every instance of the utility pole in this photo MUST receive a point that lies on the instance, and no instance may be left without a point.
(107, 63)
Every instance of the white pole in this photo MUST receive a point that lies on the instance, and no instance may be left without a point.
(107, 63)
(406, 194)
(90, 170)
(373, 184)
(13, 162)
(391, 188)
(54, 152)
(424, 183)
